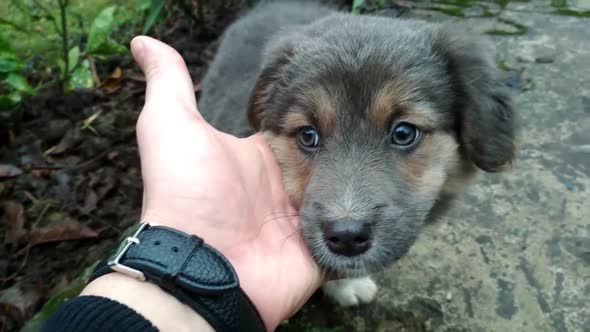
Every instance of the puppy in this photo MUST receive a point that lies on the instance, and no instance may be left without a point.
(377, 123)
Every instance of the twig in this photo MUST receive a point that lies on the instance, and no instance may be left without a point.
(105, 224)
(31, 197)
(88, 164)
(93, 71)
(27, 250)
(49, 15)
(63, 32)
(46, 166)
(63, 4)
(47, 206)
(14, 25)
(42, 85)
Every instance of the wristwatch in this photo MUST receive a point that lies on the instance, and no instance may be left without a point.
(187, 268)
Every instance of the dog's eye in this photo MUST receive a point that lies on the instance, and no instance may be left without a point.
(308, 137)
(404, 134)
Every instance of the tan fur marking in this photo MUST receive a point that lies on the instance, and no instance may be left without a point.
(295, 166)
(396, 98)
(388, 99)
(321, 108)
(460, 176)
(412, 167)
(258, 101)
(421, 114)
(427, 168)
(325, 111)
(295, 120)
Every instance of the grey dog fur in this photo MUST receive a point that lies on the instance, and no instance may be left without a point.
(231, 77)
(278, 51)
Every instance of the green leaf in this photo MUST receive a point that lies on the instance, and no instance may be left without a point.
(155, 11)
(82, 77)
(4, 45)
(10, 63)
(73, 57)
(356, 6)
(101, 29)
(19, 83)
(144, 5)
(110, 47)
(99, 42)
(10, 100)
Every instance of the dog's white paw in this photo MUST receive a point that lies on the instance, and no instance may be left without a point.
(351, 292)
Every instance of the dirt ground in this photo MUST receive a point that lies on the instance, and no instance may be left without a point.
(70, 184)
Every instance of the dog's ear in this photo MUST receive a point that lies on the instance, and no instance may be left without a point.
(486, 115)
(271, 78)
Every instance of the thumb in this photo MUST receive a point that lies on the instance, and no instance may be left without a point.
(169, 84)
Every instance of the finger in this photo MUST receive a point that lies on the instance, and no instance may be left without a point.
(168, 79)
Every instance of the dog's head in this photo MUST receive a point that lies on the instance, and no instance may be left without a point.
(373, 120)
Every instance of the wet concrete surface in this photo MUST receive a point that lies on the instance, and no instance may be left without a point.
(514, 252)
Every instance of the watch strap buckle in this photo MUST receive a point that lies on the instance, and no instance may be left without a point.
(114, 261)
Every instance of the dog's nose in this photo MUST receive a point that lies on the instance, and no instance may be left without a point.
(347, 238)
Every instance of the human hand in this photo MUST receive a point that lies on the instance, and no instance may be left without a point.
(226, 190)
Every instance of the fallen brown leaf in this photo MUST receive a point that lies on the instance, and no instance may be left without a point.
(15, 215)
(90, 201)
(63, 145)
(137, 77)
(113, 155)
(65, 231)
(41, 173)
(9, 171)
(108, 185)
(117, 73)
(95, 178)
(20, 302)
(113, 82)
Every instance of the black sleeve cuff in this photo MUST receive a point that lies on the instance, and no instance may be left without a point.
(94, 314)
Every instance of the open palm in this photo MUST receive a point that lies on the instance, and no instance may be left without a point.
(224, 189)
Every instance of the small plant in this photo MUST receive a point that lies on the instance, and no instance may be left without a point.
(188, 7)
(13, 83)
(74, 65)
(154, 8)
(64, 48)
(60, 24)
(51, 42)
(359, 5)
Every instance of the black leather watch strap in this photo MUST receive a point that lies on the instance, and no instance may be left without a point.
(190, 270)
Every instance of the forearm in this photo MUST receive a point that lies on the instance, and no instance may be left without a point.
(163, 310)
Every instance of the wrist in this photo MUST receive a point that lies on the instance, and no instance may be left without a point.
(188, 269)
(148, 300)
